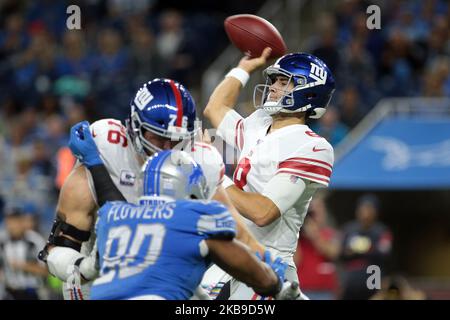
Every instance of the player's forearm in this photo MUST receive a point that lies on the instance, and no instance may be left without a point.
(253, 206)
(235, 259)
(222, 100)
(243, 233)
(105, 188)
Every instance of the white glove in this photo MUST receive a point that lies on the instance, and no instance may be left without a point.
(89, 266)
(290, 291)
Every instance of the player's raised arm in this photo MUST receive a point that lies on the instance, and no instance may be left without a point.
(225, 95)
(254, 206)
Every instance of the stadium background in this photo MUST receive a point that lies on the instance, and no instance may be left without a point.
(51, 78)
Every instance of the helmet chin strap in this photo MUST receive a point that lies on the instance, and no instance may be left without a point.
(272, 107)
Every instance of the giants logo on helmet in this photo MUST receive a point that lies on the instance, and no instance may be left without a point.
(142, 98)
(319, 74)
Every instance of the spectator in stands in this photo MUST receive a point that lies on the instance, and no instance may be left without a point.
(35, 68)
(345, 13)
(401, 61)
(55, 132)
(145, 59)
(175, 46)
(19, 247)
(13, 37)
(365, 242)
(111, 75)
(438, 39)
(330, 127)
(111, 59)
(350, 107)
(398, 288)
(437, 78)
(170, 36)
(324, 44)
(48, 105)
(120, 7)
(74, 59)
(317, 249)
(30, 216)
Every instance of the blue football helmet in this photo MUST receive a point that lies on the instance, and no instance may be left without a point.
(164, 107)
(171, 175)
(313, 86)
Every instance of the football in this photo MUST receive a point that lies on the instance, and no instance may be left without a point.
(251, 34)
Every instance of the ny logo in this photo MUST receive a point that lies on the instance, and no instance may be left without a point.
(142, 98)
(317, 73)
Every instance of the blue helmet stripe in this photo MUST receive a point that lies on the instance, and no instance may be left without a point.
(150, 188)
(163, 156)
(152, 173)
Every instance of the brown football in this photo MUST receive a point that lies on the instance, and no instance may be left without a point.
(251, 34)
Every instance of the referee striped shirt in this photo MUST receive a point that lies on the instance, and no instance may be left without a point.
(22, 250)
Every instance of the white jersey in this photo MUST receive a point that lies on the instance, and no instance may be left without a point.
(119, 157)
(294, 150)
(124, 166)
(122, 161)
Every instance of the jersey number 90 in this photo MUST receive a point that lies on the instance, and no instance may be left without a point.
(125, 255)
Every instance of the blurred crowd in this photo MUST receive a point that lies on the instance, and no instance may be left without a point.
(409, 56)
(52, 77)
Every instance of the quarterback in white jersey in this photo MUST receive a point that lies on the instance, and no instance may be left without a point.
(281, 160)
(163, 114)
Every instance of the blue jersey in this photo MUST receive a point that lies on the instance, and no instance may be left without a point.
(156, 249)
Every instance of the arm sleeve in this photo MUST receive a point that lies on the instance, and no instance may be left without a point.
(231, 129)
(105, 188)
(216, 222)
(102, 184)
(284, 189)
